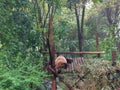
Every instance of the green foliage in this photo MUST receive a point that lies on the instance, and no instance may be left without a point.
(19, 74)
(108, 45)
(21, 64)
(95, 1)
(65, 31)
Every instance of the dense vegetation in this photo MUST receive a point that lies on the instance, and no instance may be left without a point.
(94, 74)
(24, 24)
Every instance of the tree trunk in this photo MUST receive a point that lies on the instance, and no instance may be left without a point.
(52, 48)
(82, 20)
(52, 52)
(79, 29)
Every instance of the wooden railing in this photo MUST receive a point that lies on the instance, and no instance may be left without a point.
(84, 52)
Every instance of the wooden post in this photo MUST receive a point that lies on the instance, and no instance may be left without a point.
(97, 44)
(51, 43)
(113, 58)
(52, 53)
(60, 78)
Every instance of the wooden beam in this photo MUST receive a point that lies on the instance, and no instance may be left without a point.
(85, 52)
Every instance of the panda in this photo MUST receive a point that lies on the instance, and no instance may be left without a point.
(60, 62)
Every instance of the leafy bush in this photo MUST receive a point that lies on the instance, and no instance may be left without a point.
(20, 74)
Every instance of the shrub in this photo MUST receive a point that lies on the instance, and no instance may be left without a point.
(17, 73)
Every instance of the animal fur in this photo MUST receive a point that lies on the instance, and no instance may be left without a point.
(60, 62)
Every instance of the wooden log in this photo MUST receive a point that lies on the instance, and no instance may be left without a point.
(86, 52)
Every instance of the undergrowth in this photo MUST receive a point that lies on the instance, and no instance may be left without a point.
(17, 73)
(95, 74)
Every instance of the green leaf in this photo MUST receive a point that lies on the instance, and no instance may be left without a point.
(95, 1)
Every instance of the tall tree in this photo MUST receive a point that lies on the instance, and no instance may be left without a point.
(112, 12)
(80, 26)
